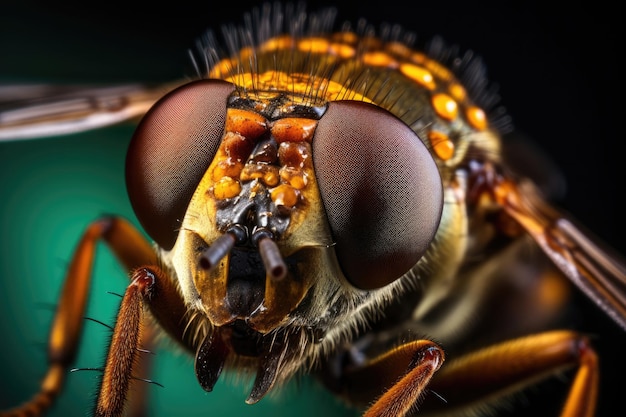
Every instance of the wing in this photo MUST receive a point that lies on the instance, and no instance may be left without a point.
(593, 267)
(32, 111)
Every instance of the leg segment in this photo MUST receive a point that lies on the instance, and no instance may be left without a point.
(122, 354)
(488, 375)
(400, 374)
(132, 250)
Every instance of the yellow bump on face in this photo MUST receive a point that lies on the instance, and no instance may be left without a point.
(476, 117)
(227, 168)
(267, 174)
(445, 106)
(293, 176)
(284, 195)
(237, 146)
(293, 154)
(442, 145)
(226, 187)
(271, 177)
(418, 74)
(247, 123)
(251, 172)
(294, 129)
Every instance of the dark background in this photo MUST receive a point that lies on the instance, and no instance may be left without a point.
(559, 71)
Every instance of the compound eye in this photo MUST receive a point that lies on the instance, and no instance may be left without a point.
(170, 151)
(381, 190)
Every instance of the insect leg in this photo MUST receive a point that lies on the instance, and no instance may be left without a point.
(484, 377)
(125, 342)
(132, 250)
(403, 372)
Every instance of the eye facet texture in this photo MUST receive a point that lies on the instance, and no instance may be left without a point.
(381, 190)
(170, 152)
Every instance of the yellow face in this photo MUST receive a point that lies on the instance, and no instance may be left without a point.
(302, 186)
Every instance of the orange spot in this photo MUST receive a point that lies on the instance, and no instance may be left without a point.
(438, 70)
(293, 154)
(418, 74)
(314, 45)
(442, 145)
(553, 292)
(294, 129)
(221, 69)
(379, 59)
(251, 172)
(507, 191)
(476, 117)
(268, 174)
(341, 50)
(284, 195)
(247, 123)
(281, 42)
(227, 168)
(398, 49)
(445, 106)
(457, 91)
(246, 52)
(418, 57)
(270, 177)
(345, 37)
(237, 146)
(294, 177)
(226, 187)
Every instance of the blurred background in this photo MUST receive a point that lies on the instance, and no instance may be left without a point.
(559, 73)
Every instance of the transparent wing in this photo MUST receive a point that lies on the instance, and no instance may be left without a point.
(31, 111)
(594, 268)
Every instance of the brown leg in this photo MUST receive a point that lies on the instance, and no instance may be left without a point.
(132, 250)
(400, 374)
(139, 395)
(485, 377)
(123, 351)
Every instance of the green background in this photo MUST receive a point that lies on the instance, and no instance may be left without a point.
(559, 77)
(53, 189)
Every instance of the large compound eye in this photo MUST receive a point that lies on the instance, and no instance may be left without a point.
(381, 190)
(170, 151)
